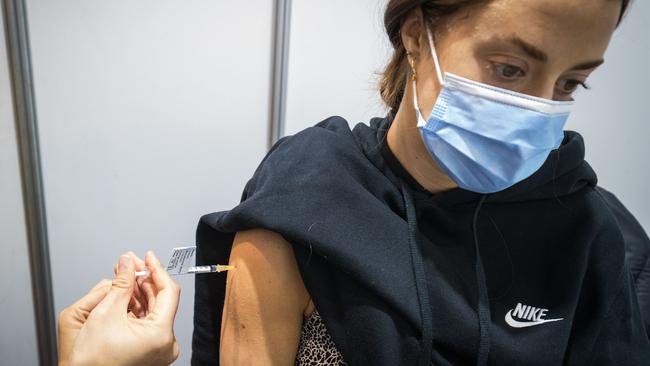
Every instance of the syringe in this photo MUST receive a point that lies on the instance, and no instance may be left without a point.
(195, 270)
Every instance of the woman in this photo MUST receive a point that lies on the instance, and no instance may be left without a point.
(463, 228)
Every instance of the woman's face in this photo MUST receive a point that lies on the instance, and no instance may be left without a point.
(545, 48)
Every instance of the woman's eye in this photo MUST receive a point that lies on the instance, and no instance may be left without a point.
(507, 71)
(569, 86)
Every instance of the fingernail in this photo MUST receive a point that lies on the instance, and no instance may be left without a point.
(125, 260)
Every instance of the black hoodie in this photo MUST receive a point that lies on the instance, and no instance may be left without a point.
(535, 274)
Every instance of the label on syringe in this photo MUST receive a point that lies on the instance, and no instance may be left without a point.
(181, 260)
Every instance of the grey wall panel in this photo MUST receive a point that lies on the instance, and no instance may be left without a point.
(18, 344)
(151, 113)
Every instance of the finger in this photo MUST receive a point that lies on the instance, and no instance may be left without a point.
(136, 306)
(82, 307)
(139, 263)
(121, 290)
(175, 351)
(138, 296)
(149, 290)
(94, 296)
(101, 284)
(139, 301)
(168, 292)
(139, 266)
(138, 310)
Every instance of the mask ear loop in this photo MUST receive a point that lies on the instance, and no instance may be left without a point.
(434, 55)
(421, 121)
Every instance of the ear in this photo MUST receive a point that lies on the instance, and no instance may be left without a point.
(413, 33)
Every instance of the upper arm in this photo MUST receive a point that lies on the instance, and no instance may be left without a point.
(264, 301)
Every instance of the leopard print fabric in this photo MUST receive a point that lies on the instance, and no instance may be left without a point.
(316, 346)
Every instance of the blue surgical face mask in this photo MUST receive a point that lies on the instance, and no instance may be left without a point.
(487, 138)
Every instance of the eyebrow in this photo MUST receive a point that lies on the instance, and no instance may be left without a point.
(531, 50)
(588, 65)
(541, 56)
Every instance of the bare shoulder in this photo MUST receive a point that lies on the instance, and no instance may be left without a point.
(265, 301)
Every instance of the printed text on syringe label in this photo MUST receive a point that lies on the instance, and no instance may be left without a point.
(182, 258)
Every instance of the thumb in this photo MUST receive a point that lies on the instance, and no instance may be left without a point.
(119, 295)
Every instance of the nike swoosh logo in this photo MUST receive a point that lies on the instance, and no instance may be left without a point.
(518, 324)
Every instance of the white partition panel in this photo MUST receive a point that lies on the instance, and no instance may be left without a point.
(335, 50)
(151, 113)
(613, 115)
(18, 345)
(337, 46)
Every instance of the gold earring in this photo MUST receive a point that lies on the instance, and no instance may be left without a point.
(411, 60)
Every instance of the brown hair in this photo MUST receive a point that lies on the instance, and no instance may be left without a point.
(393, 78)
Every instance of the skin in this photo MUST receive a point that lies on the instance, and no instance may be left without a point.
(265, 297)
(265, 302)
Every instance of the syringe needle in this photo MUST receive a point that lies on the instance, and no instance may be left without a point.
(223, 267)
